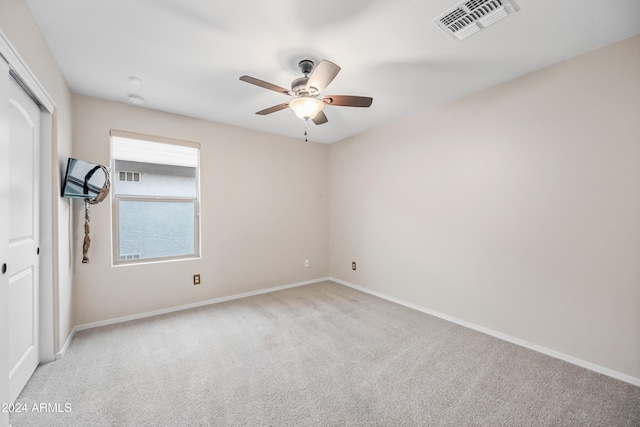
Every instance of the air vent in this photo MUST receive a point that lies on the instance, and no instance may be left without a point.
(471, 16)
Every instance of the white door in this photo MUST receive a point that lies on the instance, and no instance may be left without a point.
(4, 240)
(22, 260)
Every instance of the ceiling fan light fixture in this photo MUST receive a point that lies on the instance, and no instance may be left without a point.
(305, 101)
(306, 107)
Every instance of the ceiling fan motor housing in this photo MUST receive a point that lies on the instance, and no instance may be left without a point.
(306, 66)
(299, 85)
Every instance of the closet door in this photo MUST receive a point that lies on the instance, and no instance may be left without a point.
(22, 271)
(4, 238)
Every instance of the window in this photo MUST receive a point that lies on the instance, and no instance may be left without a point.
(155, 199)
(128, 176)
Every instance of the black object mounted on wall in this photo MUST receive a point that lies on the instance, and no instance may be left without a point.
(88, 181)
(84, 180)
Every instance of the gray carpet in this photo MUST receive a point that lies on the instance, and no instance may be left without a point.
(317, 355)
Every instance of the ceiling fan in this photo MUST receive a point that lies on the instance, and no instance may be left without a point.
(306, 90)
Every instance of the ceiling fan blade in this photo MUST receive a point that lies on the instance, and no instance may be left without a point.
(320, 118)
(265, 85)
(348, 100)
(322, 75)
(273, 109)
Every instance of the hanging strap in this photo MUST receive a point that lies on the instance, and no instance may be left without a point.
(87, 239)
(104, 192)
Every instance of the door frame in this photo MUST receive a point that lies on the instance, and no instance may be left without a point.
(48, 313)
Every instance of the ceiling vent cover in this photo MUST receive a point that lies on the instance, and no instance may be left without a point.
(471, 16)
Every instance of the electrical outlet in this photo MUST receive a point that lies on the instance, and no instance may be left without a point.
(353, 265)
(306, 263)
(196, 279)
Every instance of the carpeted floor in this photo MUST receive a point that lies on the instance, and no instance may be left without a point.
(317, 355)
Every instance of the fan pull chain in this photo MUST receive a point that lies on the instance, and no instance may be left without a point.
(306, 121)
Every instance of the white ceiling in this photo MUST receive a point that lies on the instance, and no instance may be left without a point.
(189, 54)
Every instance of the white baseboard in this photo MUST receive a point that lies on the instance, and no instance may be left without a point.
(187, 306)
(63, 350)
(549, 352)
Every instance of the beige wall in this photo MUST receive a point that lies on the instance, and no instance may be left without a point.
(264, 211)
(516, 209)
(21, 29)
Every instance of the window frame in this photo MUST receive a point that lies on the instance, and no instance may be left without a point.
(117, 198)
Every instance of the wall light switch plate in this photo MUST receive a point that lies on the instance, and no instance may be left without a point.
(196, 279)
